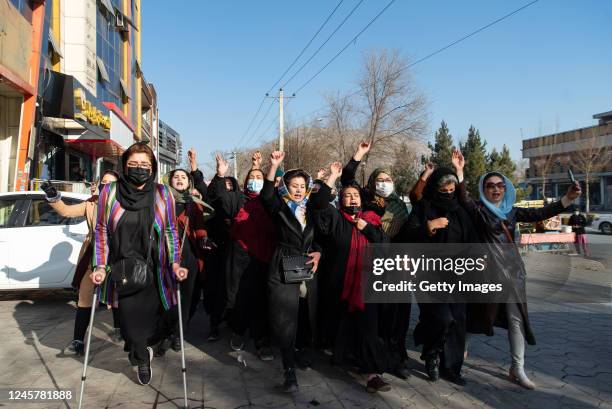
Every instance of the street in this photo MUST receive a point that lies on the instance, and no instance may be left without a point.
(570, 363)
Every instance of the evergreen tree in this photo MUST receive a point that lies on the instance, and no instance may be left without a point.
(404, 169)
(442, 149)
(475, 153)
(502, 163)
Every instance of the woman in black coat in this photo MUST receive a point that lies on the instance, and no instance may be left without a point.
(295, 237)
(348, 230)
(438, 218)
(495, 218)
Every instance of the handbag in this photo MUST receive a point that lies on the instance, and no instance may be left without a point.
(295, 269)
(131, 275)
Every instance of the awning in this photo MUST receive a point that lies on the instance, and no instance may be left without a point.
(96, 148)
(54, 45)
(138, 68)
(124, 88)
(102, 69)
(108, 6)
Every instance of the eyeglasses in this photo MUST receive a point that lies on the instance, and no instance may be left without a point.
(144, 165)
(500, 185)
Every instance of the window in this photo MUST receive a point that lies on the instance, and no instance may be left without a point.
(42, 214)
(7, 214)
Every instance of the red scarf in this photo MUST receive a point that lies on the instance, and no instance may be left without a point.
(352, 291)
(253, 229)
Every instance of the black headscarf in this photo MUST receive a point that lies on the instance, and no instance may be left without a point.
(444, 202)
(129, 196)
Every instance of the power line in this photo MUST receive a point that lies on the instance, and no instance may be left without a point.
(251, 122)
(322, 45)
(438, 51)
(346, 46)
(307, 45)
(260, 122)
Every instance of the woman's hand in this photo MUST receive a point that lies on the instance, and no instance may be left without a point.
(179, 272)
(435, 224)
(427, 171)
(360, 223)
(276, 158)
(98, 275)
(193, 163)
(321, 173)
(362, 149)
(222, 165)
(459, 163)
(315, 257)
(574, 191)
(256, 160)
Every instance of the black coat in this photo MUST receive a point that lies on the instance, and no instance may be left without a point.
(498, 234)
(291, 240)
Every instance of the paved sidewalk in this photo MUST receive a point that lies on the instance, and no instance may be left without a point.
(571, 364)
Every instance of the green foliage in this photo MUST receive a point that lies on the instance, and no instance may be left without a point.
(502, 163)
(404, 170)
(475, 153)
(442, 148)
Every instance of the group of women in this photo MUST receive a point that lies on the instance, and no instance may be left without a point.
(279, 260)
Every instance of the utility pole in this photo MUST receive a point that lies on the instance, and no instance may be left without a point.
(281, 117)
(281, 120)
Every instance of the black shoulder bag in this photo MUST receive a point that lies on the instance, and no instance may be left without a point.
(131, 275)
(295, 269)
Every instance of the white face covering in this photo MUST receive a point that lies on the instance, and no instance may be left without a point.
(384, 189)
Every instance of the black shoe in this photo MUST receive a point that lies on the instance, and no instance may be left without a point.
(175, 344)
(132, 360)
(213, 335)
(377, 384)
(454, 377)
(265, 354)
(75, 347)
(116, 335)
(290, 385)
(237, 342)
(145, 373)
(432, 369)
(161, 348)
(303, 359)
(402, 371)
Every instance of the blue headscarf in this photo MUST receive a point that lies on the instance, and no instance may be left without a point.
(507, 202)
(297, 208)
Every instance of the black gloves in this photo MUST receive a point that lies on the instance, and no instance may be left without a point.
(53, 195)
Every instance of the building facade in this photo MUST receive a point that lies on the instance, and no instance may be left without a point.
(20, 41)
(586, 151)
(170, 148)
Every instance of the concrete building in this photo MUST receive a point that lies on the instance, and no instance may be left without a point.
(21, 33)
(91, 87)
(170, 148)
(584, 150)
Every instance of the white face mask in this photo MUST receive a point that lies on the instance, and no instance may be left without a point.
(384, 189)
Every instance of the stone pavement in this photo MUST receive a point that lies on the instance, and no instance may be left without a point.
(571, 364)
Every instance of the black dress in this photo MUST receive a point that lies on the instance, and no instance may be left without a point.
(285, 306)
(442, 326)
(140, 312)
(355, 335)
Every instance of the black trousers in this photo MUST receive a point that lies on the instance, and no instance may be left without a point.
(441, 331)
(140, 314)
(214, 284)
(394, 323)
(248, 308)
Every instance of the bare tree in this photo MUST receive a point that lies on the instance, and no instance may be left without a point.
(339, 127)
(393, 109)
(591, 157)
(547, 160)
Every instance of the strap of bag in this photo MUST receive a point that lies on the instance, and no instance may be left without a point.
(150, 242)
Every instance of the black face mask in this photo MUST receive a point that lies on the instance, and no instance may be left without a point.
(352, 209)
(138, 176)
(444, 199)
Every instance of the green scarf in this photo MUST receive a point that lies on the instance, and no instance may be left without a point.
(185, 196)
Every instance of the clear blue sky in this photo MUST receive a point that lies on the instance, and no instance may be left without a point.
(548, 66)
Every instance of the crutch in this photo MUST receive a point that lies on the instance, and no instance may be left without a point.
(183, 369)
(180, 315)
(87, 345)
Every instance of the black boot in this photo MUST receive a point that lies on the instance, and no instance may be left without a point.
(432, 367)
(290, 385)
(453, 377)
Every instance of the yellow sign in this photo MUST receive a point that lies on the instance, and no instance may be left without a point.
(89, 112)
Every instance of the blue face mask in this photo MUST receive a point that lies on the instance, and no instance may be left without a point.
(255, 185)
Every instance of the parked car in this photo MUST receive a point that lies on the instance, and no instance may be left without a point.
(603, 223)
(38, 247)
